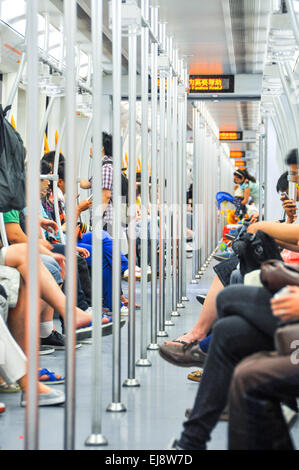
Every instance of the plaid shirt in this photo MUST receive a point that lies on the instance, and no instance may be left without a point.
(107, 183)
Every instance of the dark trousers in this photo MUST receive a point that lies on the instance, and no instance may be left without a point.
(82, 272)
(245, 326)
(259, 384)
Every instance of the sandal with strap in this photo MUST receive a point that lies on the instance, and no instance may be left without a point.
(50, 378)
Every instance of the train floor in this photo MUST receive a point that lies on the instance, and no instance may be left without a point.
(155, 410)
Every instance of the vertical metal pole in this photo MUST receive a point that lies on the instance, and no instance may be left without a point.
(181, 247)
(154, 211)
(175, 313)
(45, 122)
(184, 182)
(131, 381)
(195, 201)
(55, 186)
(162, 332)
(168, 207)
(200, 192)
(70, 23)
(96, 437)
(33, 204)
(265, 165)
(261, 173)
(116, 405)
(144, 361)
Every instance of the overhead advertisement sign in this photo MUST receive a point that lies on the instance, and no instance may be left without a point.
(240, 164)
(211, 84)
(230, 136)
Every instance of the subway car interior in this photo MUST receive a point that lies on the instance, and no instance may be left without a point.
(149, 281)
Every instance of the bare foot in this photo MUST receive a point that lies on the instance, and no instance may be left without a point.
(82, 318)
(187, 338)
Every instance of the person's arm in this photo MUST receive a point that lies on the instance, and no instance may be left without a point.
(288, 233)
(15, 234)
(287, 246)
(83, 206)
(246, 196)
(85, 184)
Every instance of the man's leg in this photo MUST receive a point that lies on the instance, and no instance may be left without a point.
(261, 379)
(233, 339)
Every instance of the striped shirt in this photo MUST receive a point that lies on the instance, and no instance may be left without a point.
(107, 183)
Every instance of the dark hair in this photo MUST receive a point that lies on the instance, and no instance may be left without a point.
(50, 158)
(282, 184)
(238, 174)
(107, 144)
(45, 168)
(247, 176)
(292, 157)
(61, 171)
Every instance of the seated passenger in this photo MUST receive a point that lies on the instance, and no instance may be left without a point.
(86, 243)
(13, 368)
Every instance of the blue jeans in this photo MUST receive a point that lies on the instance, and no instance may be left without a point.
(107, 264)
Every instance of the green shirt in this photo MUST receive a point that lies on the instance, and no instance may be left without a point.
(11, 217)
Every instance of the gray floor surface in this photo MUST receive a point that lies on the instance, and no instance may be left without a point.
(155, 410)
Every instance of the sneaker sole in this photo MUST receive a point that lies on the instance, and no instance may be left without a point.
(49, 402)
(182, 364)
(46, 352)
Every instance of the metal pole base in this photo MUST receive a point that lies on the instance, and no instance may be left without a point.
(96, 440)
(180, 305)
(169, 323)
(185, 299)
(162, 333)
(143, 363)
(194, 281)
(175, 314)
(197, 276)
(153, 347)
(200, 273)
(131, 383)
(116, 408)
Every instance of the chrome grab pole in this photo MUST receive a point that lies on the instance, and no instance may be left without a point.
(294, 20)
(265, 154)
(131, 381)
(33, 205)
(144, 361)
(175, 313)
(162, 332)
(261, 174)
(83, 149)
(16, 84)
(181, 169)
(184, 182)
(154, 212)
(45, 122)
(70, 22)
(96, 437)
(55, 180)
(195, 227)
(168, 207)
(199, 188)
(116, 405)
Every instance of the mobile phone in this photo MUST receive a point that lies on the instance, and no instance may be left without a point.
(286, 195)
(90, 197)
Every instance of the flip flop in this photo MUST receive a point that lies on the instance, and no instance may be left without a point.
(50, 378)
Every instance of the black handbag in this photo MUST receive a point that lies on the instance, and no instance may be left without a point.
(253, 249)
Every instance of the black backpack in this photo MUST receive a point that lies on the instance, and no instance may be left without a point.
(253, 249)
(12, 166)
